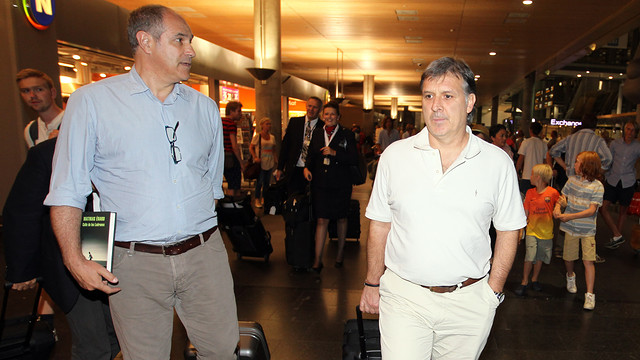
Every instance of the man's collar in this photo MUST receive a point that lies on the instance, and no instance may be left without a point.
(421, 142)
(137, 85)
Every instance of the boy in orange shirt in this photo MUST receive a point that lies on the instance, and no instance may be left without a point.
(539, 203)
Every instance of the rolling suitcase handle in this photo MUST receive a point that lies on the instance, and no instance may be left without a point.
(32, 318)
(361, 335)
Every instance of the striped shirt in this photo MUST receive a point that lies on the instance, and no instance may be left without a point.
(583, 140)
(580, 195)
(229, 128)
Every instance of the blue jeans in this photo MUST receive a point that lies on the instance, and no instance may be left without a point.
(262, 184)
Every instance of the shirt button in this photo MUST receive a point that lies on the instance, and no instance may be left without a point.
(178, 207)
(175, 181)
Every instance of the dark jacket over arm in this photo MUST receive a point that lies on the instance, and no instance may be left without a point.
(31, 249)
(338, 173)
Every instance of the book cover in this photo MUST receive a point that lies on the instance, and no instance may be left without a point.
(97, 231)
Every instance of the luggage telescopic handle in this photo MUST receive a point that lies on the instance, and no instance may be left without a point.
(361, 336)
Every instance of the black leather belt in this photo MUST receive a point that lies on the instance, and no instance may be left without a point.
(452, 288)
(173, 249)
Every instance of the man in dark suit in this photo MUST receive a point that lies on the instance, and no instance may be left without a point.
(31, 251)
(293, 152)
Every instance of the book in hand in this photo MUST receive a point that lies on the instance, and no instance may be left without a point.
(97, 232)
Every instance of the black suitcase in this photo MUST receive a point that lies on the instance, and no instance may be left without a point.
(25, 337)
(299, 232)
(244, 229)
(252, 344)
(353, 222)
(361, 339)
(274, 198)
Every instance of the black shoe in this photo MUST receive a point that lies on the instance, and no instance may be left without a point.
(318, 269)
(339, 264)
(521, 290)
(536, 286)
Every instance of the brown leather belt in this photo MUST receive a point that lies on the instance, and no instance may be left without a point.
(173, 249)
(448, 289)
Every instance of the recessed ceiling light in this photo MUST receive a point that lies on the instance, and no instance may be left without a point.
(610, 77)
(65, 65)
(579, 75)
(588, 72)
(492, 53)
(621, 74)
(84, 64)
(477, 76)
(127, 68)
(527, 2)
(76, 57)
(103, 75)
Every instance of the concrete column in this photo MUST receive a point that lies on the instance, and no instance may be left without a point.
(527, 102)
(17, 39)
(495, 101)
(266, 21)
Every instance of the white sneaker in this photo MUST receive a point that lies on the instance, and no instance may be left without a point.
(571, 284)
(589, 301)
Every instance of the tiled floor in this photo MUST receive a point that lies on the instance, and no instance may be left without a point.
(303, 314)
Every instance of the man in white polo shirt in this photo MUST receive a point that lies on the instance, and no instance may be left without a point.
(429, 273)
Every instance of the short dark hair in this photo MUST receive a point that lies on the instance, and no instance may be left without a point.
(147, 18)
(232, 106)
(449, 65)
(316, 99)
(27, 73)
(495, 129)
(331, 104)
(536, 128)
(589, 121)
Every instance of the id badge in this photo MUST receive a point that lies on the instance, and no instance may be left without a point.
(326, 161)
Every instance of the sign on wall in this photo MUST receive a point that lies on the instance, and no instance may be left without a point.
(39, 12)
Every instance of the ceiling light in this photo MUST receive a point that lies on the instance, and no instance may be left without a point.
(621, 74)
(65, 65)
(527, 2)
(588, 72)
(127, 68)
(477, 76)
(610, 77)
(84, 64)
(408, 18)
(406, 12)
(492, 53)
(579, 75)
(103, 75)
(76, 57)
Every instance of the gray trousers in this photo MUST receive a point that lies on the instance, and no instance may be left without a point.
(197, 284)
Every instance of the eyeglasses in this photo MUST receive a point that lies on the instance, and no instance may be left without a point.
(171, 136)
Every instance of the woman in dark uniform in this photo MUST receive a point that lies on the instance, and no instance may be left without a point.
(331, 153)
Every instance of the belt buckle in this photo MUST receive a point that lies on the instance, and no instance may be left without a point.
(163, 252)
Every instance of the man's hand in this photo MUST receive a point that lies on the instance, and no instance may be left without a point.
(370, 300)
(277, 174)
(24, 285)
(92, 276)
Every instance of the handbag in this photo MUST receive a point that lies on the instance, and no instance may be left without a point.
(358, 172)
(252, 171)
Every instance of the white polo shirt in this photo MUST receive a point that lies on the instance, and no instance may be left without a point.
(440, 222)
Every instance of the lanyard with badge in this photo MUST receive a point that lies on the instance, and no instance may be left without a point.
(327, 141)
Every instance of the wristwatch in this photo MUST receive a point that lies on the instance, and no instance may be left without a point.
(500, 296)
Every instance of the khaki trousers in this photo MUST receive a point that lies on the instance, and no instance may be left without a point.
(416, 323)
(197, 284)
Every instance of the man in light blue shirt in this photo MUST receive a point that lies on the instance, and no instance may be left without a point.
(621, 180)
(152, 147)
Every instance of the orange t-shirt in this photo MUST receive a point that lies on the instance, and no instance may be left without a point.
(540, 208)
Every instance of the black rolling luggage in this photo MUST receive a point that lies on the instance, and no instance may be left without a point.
(299, 231)
(353, 222)
(252, 344)
(275, 197)
(25, 337)
(244, 229)
(361, 339)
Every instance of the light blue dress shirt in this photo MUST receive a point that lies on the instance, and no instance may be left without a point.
(113, 135)
(624, 161)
